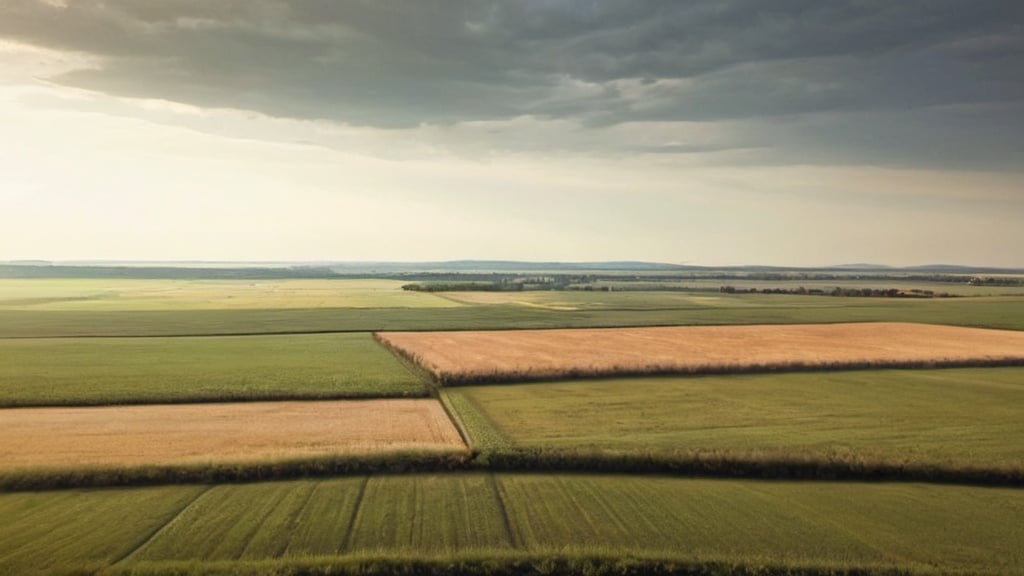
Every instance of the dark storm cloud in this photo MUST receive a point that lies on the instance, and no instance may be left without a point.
(397, 64)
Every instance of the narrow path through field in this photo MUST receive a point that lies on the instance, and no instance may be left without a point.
(513, 537)
(162, 527)
(349, 529)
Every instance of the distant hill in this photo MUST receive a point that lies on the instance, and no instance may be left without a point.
(477, 268)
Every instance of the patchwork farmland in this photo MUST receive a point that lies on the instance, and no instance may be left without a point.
(272, 452)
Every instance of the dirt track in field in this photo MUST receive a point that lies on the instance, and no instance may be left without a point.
(479, 356)
(201, 433)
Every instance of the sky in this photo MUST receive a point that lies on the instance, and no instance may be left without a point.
(708, 132)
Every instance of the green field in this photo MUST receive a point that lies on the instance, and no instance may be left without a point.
(996, 312)
(953, 418)
(917, 526)
(69, 371)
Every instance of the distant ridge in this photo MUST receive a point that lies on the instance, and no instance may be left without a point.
(341, 269)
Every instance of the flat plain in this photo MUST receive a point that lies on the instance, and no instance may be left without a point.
(476, 512)
(957, 418)
(134, 370)
(281, 527)
(135, 294)
(476, 356)
(1006, 312)
(157, 435)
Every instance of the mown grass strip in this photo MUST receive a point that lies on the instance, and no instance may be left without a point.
(475, 428)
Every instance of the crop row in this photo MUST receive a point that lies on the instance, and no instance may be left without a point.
(824, 528)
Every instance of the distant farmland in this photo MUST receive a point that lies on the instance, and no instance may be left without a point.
(489, 356)
(63, 438)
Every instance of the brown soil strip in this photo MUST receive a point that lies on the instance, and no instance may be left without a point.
(481, 356)
(231, 432)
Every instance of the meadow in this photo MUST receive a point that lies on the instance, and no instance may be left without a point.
(967, 418)
(94, 371)
(347, 524)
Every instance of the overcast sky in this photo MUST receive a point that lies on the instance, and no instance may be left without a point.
(788, 132)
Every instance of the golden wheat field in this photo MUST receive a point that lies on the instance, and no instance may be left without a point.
(473, 356)
(198, 433)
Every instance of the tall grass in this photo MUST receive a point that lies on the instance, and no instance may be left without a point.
(502, 376)
(503, 563)
(218, 472)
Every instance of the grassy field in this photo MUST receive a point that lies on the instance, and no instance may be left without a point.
(54, 532)
(953, 418)
(39, 372)
(268, 526)
(995, 312)
(121, 294)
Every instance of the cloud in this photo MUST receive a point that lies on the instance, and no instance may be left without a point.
(781, 66)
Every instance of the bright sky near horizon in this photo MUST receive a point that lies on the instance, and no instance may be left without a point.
(712, 132)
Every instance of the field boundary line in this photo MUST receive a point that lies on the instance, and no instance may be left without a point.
(350, 529)
(456, 421)
(513, 538)
(430, 383)
(454, 380)
(149, 538)
(417, 394)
